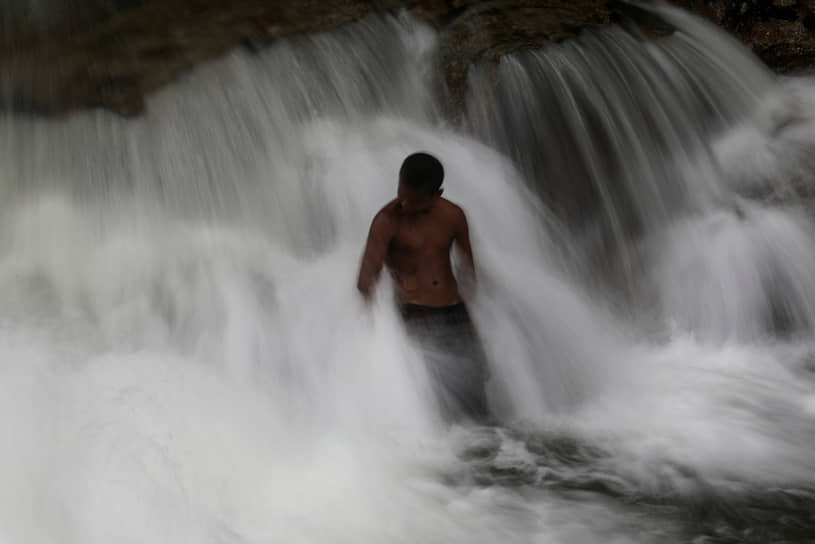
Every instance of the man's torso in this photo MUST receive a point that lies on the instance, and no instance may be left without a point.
(419, 255)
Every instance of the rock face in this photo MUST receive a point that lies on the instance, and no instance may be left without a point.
(474, 31)
(115, 52)
(115, 62)
(780, 32)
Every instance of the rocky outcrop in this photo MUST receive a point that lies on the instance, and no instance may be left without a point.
(114, 58)
(780, 32)
(116, 61)
(484, 31)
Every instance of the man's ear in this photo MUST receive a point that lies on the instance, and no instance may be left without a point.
(439, 192)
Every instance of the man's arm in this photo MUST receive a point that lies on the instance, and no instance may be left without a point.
(462, 241)
(376, 249)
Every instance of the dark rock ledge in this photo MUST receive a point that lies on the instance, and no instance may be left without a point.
(114, 59)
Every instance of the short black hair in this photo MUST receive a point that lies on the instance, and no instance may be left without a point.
(422, 172)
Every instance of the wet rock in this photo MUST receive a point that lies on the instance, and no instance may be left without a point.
(484, 31)
(113, 53)
(778, 31)
(115, 62)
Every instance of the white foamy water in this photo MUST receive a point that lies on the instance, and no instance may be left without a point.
(184, 356)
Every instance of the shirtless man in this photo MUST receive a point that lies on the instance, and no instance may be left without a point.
(413, 236)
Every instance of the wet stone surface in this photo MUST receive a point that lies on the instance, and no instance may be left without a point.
(114, 55)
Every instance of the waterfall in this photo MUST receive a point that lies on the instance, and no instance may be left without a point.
(184, 356)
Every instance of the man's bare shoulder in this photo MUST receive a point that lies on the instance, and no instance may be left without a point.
(452, 210)
(385, 217)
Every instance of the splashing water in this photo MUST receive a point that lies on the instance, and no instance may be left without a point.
(185, 358)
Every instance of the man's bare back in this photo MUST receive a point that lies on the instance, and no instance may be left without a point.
(415, 244)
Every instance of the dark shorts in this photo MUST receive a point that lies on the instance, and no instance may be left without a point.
(455, 358)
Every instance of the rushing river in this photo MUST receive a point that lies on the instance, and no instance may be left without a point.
(184, 356)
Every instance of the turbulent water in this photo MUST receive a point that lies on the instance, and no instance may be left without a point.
(184, 357)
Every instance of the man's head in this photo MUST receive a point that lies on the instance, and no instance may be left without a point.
(420, 180)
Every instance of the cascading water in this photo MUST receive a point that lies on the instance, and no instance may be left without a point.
(185, 358)
(615, 132)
